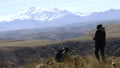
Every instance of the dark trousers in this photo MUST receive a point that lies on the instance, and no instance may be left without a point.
(100, 48)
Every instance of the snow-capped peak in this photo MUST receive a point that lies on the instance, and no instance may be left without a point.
(42, 14)
(82, 14)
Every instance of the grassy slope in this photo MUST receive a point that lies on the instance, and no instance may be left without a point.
(25, 43)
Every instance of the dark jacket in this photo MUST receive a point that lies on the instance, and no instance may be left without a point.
(100, 36)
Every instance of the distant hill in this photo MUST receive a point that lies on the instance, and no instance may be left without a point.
(51, 33)
(112, 31)
(59, 33)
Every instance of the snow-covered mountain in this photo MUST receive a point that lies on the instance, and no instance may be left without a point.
(43, 14)
(37, 18)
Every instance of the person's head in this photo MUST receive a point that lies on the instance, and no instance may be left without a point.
(99, 26)
(61, 48)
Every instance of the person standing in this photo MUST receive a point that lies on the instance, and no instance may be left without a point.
(100, 42)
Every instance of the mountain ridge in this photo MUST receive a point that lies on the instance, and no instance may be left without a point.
(38, 18)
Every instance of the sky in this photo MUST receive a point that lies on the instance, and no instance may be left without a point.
(12, 7)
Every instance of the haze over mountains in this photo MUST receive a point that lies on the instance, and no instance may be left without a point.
(53, 24)
(41, 18)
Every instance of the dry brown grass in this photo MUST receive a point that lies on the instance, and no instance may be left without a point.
(78, 62)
